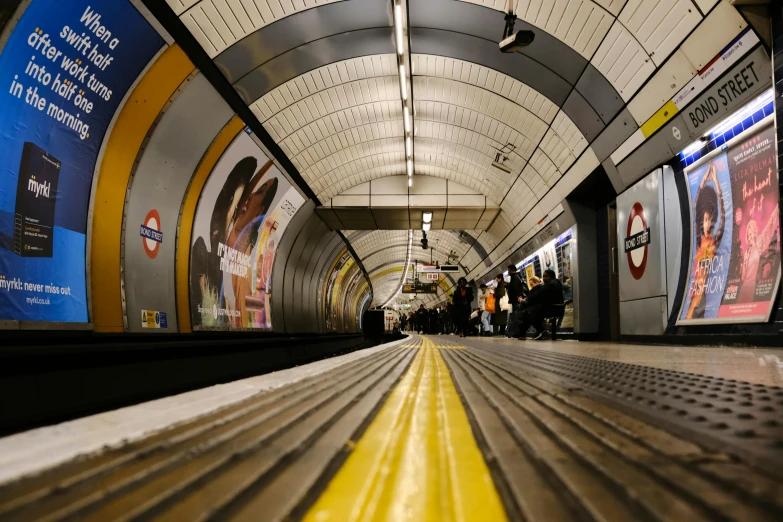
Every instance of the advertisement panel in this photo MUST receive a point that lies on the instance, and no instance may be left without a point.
(334, 291)
(735, 237)
(64, 71)
(241, 216)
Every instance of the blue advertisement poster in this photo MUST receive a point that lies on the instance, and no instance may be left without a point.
(63, 73)
(709, 187)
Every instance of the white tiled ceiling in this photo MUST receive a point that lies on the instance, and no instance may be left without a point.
(341, 124)
(217, 24)
(624, 39)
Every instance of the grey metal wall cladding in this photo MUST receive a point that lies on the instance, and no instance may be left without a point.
(281, 261)
(642, 270)
(614, 135)
(301, 318)
(312, 55)
(310, 281)
(614, 176)
(481, 51)
(599, 93)
(673, 234)
(680, 132)
(644, 317)
(290, 294)
(657, 149)
(301, 28)
(583, 115)
(486, 23)
(333, 251)
(159, 183)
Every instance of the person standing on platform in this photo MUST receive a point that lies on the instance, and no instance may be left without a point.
(500, 317)
(517, 291)
(486, 317)
(462, 298)
(421, 319)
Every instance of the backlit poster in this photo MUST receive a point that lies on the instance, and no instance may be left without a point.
(63, 73)
(334, 291)
(244, 208)
(735, 252)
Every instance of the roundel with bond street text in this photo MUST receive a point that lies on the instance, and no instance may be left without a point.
(637, 241)
(151, 236)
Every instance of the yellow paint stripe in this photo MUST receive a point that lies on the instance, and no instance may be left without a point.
(130, 129)
(658, 119)
(208, 162)
(418, 460)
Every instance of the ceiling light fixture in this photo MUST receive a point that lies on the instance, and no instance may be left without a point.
(398, 28)
(427, 217)
(405, 67)
(426, 227)
(405, 270)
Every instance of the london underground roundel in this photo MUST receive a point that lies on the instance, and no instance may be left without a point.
(637, 241)
(151, 236)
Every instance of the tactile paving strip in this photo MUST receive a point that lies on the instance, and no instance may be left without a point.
(739, 417)
(559, 454)
(272, 450)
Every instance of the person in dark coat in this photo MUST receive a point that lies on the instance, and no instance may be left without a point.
(421, 319)
(500, 317)
(462, 299)
(540, 304)
(517, 291)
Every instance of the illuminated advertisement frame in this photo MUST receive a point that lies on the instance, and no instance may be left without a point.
(696, 166)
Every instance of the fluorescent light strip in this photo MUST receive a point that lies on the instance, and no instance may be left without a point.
(404, 272)
(408, 146)
(398, 28)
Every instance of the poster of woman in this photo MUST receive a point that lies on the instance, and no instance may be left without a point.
(244, 209)
(709, 187)
(755, 261)
(735, 253)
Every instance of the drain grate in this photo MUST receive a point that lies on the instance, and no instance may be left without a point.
(747, 417)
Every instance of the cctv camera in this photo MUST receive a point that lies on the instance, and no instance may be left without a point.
(517, 41)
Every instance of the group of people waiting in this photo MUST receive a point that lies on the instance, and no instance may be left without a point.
(528, 305)
(451, 319)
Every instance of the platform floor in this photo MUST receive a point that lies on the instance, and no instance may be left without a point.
(443, 428)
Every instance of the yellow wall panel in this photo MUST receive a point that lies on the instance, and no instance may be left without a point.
(131, 127)
(213, 154)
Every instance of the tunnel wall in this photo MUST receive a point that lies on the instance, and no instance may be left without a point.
(144, 180)
(313, 254)
(161, 177)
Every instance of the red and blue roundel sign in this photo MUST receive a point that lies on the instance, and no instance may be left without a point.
(151, 236)
(637, 241)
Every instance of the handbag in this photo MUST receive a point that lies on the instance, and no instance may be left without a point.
(489, 305)
(504, 304)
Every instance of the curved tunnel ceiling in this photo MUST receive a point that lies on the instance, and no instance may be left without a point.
(321, 78)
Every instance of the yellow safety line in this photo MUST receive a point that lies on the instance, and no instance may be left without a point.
(417, 461)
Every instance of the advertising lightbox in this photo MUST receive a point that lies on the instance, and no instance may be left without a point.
(244, 209)
(734, 268)
(63, 72)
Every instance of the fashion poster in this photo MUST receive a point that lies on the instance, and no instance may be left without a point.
(755, 256)
(243, 211)
(709, 187)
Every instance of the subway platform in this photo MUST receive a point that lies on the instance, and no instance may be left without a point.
(430, 428)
